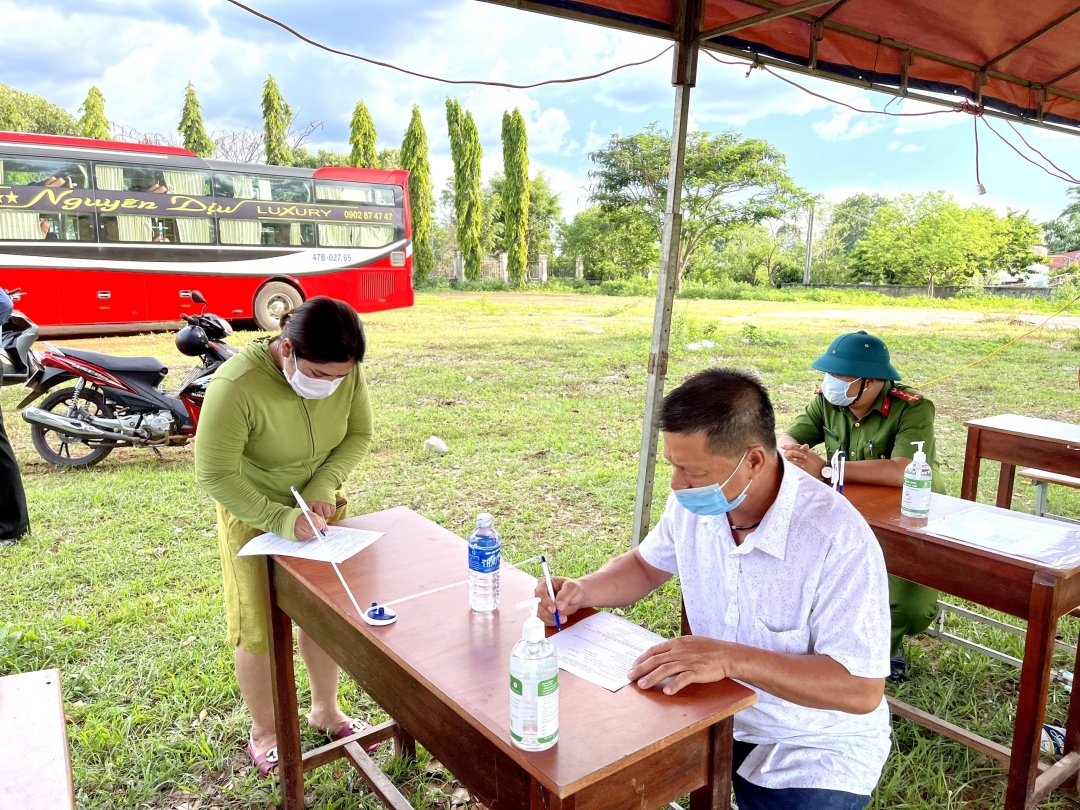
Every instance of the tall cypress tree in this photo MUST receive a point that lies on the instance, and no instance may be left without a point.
(515, 197)
(468, 203)
(277, 115)
(93, 123)
(192, 128)
(362, 136)
(414, 159)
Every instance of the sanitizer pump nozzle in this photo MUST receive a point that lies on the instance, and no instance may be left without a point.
(533, 629)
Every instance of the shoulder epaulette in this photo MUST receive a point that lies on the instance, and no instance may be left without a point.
(907, 396)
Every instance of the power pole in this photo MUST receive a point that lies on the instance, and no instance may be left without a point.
(809, 245)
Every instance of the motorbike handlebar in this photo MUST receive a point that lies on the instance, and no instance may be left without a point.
(184, 316)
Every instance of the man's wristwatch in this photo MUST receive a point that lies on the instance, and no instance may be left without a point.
(827, 472)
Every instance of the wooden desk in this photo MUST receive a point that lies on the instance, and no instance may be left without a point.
(1038, 594)
(1018, 441)
(442, 672)
(35, 769)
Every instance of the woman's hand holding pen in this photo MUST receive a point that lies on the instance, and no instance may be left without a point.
(302, 529)
(569, 596)
(322, 509)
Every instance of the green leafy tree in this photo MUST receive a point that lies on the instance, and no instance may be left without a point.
(24, 112)
(277, 116)
(468, 203)
(545, 217)
(1063, 234)
(758, 253)
(613, 245)
(413, 157)
(192, 128)
(93, 123)
(323, 157)
(363, 137)
(729, 180)
(515, 195)
(389, 158)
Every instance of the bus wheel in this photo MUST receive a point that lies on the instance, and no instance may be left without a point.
(273, 301)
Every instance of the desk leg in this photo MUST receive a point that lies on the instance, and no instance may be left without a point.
(1034, 686)
(1072, 728)
(286, 711)
(1006, 479)
(969, 484)
(540, 798)
(716, 795)
(404, 744)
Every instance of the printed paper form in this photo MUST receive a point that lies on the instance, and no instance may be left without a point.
(1049, 542)
(602, 648)
(339, 544)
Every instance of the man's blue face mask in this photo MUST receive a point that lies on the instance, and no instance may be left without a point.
(711, 500)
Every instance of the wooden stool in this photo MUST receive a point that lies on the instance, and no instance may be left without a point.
(1042, 479)
(35, 771)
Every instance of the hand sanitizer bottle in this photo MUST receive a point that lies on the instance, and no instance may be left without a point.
(534, 686)
(915, 501)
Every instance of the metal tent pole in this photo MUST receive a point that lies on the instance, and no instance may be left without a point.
(688, 17)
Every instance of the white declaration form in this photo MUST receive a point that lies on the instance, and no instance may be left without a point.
(338, 545)
(602, 648)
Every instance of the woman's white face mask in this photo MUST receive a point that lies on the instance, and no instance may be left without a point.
(305, 386)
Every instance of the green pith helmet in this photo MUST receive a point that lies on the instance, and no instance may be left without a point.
(857, 354)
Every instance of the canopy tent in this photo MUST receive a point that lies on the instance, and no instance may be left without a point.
(992, 57)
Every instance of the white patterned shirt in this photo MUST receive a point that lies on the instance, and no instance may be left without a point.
(809, 580)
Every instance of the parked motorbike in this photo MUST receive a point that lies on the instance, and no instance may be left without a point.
(118, 401)
(18, 363)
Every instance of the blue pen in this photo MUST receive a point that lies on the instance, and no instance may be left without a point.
(307, 512)
(871, 443)
(551, 590)
(843, 463)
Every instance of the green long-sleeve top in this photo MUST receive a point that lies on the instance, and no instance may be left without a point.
(257, 437)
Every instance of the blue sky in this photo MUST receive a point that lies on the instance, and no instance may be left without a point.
(142, 53)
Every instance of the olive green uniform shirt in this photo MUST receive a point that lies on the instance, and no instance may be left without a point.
(899, 417)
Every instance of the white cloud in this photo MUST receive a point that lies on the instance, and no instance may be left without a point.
(894, 145)
(913, 148)
(843, 126)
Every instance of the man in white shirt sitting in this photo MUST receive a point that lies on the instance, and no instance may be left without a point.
(785, 590)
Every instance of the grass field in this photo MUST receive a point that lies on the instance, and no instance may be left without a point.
(539, 399)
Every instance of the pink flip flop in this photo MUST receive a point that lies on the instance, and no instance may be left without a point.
(353, 725)
(266, 762)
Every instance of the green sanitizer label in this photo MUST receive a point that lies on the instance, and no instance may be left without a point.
(545, 696)
(915, 500)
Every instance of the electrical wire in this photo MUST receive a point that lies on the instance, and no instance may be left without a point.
(507, 85)
(1040, 154)
(1008, 143)
(978, 179)
(999, 349)
(807, 90)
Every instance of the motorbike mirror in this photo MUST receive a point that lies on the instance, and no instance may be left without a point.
(197, 297)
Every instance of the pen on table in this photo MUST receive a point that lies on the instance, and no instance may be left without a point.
(551, 590)
(843, 464)
(307, 512)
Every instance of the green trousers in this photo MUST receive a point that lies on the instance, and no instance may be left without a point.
(913, 609)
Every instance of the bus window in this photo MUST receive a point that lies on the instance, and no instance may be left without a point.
(30, 171)
(177, 230)
(151, 179)
(370, 236)
(354, 192)
(256, 232)
(250, 187)
(67, 227)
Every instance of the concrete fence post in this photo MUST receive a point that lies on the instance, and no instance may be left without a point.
(504, 263)
(459, 266)
(579, 270)
(543, 268)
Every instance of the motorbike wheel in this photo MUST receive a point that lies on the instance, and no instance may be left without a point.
(55, 447)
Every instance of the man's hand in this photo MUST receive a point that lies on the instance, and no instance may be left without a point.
(690, 659)
(322, 509)
(803, 457)
(569, 596)
(302, 529)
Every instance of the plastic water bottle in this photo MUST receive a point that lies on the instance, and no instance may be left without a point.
(485, 554)
(915, 500)
(534, 686)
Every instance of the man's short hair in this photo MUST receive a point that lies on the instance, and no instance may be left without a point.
(729, 406)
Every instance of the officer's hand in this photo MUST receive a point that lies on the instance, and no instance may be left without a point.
(805, 458)
(569, 596)
(690, 659)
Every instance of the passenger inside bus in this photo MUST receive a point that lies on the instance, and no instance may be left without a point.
(48, 228)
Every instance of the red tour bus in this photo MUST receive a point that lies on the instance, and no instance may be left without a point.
(103, 232)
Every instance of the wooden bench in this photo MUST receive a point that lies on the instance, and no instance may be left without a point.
(35, 770)
(1042, 479)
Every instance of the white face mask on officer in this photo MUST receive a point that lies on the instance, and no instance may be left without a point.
(305, 386)
(835, 390)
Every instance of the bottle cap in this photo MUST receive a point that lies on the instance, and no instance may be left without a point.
(533, 630)
(484, 519)
(920, 456)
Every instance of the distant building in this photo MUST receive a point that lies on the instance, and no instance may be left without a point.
(1063, 261)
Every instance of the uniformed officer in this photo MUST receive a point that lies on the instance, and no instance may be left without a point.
(863, 411)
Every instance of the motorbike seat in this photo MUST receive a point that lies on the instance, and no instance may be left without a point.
(145, 365)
